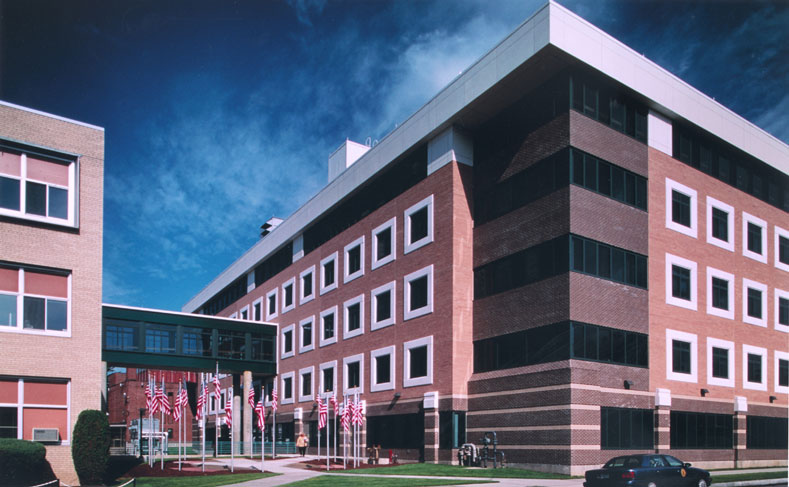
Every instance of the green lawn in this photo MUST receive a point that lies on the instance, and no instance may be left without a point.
(434, 470)
(207, 481)
(718, 479)
(331, 481)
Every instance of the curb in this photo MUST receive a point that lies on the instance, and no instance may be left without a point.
(749, 483)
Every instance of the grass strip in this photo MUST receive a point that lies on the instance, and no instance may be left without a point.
(737, 477)
(331, 481)
(437, 470)
(194, 481)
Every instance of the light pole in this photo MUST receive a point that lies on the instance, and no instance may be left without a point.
(139, 429)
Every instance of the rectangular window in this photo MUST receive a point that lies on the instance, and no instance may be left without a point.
(783, 250)
(287, 388)
(418, 299)
(783, 311)
(382, 371)
(418, 358)
(306, 333)
(680, 357)
(271, 304)
(8, 419)
(327, 376)
(382, 374)
(257, 310)
(328, 333)
(609, 180)
(766, 433)
(287, 341)
(680, 208)
(354, 317)
(782, 245)
(720, 363)
(44, 298)
(601, 260)
(754, 238)
(328, 268)
(307, 285)
(305, 394)
(754, 368)
(288, 303)
(418, 225)
(681, 204)
(626, 429)
(783, 373)
(384, 244)
(353, 374)
(754, 361)
(720, 224)
(603, 344)
(696, 431)
(680, 284)
(720, 293)
(754, 303)
(354, 259)
(382, 312)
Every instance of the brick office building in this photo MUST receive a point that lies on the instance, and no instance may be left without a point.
(51, 204)
(567, 245)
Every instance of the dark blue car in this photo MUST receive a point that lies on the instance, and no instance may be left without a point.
(647, 471)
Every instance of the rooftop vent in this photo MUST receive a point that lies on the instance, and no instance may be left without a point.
(341, 159)
(269, 226)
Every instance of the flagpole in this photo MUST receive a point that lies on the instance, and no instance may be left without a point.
(328, 432)
(334, 396)
(216, 412)
(232, 436)
(161, 425)
(150, 421)
(202, 419)
(344, 433)
(274, 434)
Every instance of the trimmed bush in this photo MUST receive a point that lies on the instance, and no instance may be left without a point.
(23, 463)
(90, 448)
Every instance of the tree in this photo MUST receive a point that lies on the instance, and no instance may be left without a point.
(90, 448)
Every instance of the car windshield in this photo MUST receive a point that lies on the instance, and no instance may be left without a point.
(623, 462)
(673, 461)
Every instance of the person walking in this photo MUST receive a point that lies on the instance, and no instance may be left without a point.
(302, 442)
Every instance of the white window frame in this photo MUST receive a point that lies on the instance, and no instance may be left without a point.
(407, 346)
(391, 287)
(779, 293)
(275, 293)
(245, 309)
(409, 314)
(71, 219)
(779, 232)
(746, 219)
(302, 298)
(259, 301)
(311, 346)
(324, 366)
(292, 283)
(324, 342)
(672, 260)
(385, 386)
(23, 403)
(285, 354)
(302, 372)
(293, 385)
(747, 283)
(672, 186)
(375, 261)
(350, 334)
(350, 276)
(711, 310)
(778, 355)
(325, 289)
(726, 345)
(682, 336)
(409, 247)
(20, 306)
(359, 357)
(234, 316)
(724, 244)
(746, 384)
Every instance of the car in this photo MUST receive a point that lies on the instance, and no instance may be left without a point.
(647, 471)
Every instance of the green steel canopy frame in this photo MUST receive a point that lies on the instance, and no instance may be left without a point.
(146, 338)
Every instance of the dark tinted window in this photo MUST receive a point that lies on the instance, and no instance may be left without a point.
(720, 363)
(700, 430)
(680, 282)
(754, 368)
(754, 238)
(354, 317)
(382, 372)
(383, 306)
(754, 303)
(764, 432)
(418, 361)
(623, 429)
(720, 224)
(720, 293)
(680, 356)
(354, 257)
(9, 194)
(680, 208)
(36, 198)
(418, 293)
(383, 247)
(418, 221)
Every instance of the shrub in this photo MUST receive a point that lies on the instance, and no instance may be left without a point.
(23, 463)
(90, 448)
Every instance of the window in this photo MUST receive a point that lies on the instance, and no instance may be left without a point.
(33, 301)
(329, 273)
(764, 432)
(754, 237)
(257, 309)
(600, 344)
(695, 431)
(754, 305)
(382, 373)
(328, 333)
(720, 362)
(720, 293)
(354, 260)
(418, 299)
(601, 260)
(781, 248)
(384, 244)
(244, 313)
(354, 317)
(680, 208)
(307, 286)
(754, 370)
(328, 376)
(29, 403)
(720, 223)
(418, 362)
(38, 188)
(681, 356)
(353, 373)
(418, 225)
(271, 305)
(305, 381)
(287, 341)
(287, 388)
(607, 179)
(382, 309)
(781, 372)
(626, 429)
(288, 301)
(781, 310)
(681, 287)
(307, 334)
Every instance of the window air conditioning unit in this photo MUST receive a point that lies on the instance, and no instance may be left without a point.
(46, 435)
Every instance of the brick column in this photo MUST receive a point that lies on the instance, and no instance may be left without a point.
(662, 420)
(739, 429)
(430, 405)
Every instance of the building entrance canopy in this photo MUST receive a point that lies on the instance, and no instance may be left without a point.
(146, 338)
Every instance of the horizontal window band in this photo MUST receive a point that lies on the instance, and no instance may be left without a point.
(562, 407)
(568, 427)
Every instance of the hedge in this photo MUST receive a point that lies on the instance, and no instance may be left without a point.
(90, 448)
(23, 463)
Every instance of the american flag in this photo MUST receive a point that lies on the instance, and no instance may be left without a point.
(155, 399)
(274, 400)
(358, 412)
(335, 405)
(217, 388)
(164, 403)
(184, 396)
(201, 400)
(323, 412)
(148, 396)
(229, 411)
(178, 405)
(260, 410)
(345, 419)
(251, 396)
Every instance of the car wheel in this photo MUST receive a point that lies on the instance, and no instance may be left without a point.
(702, 483)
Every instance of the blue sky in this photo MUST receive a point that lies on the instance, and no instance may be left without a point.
(220, 115)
